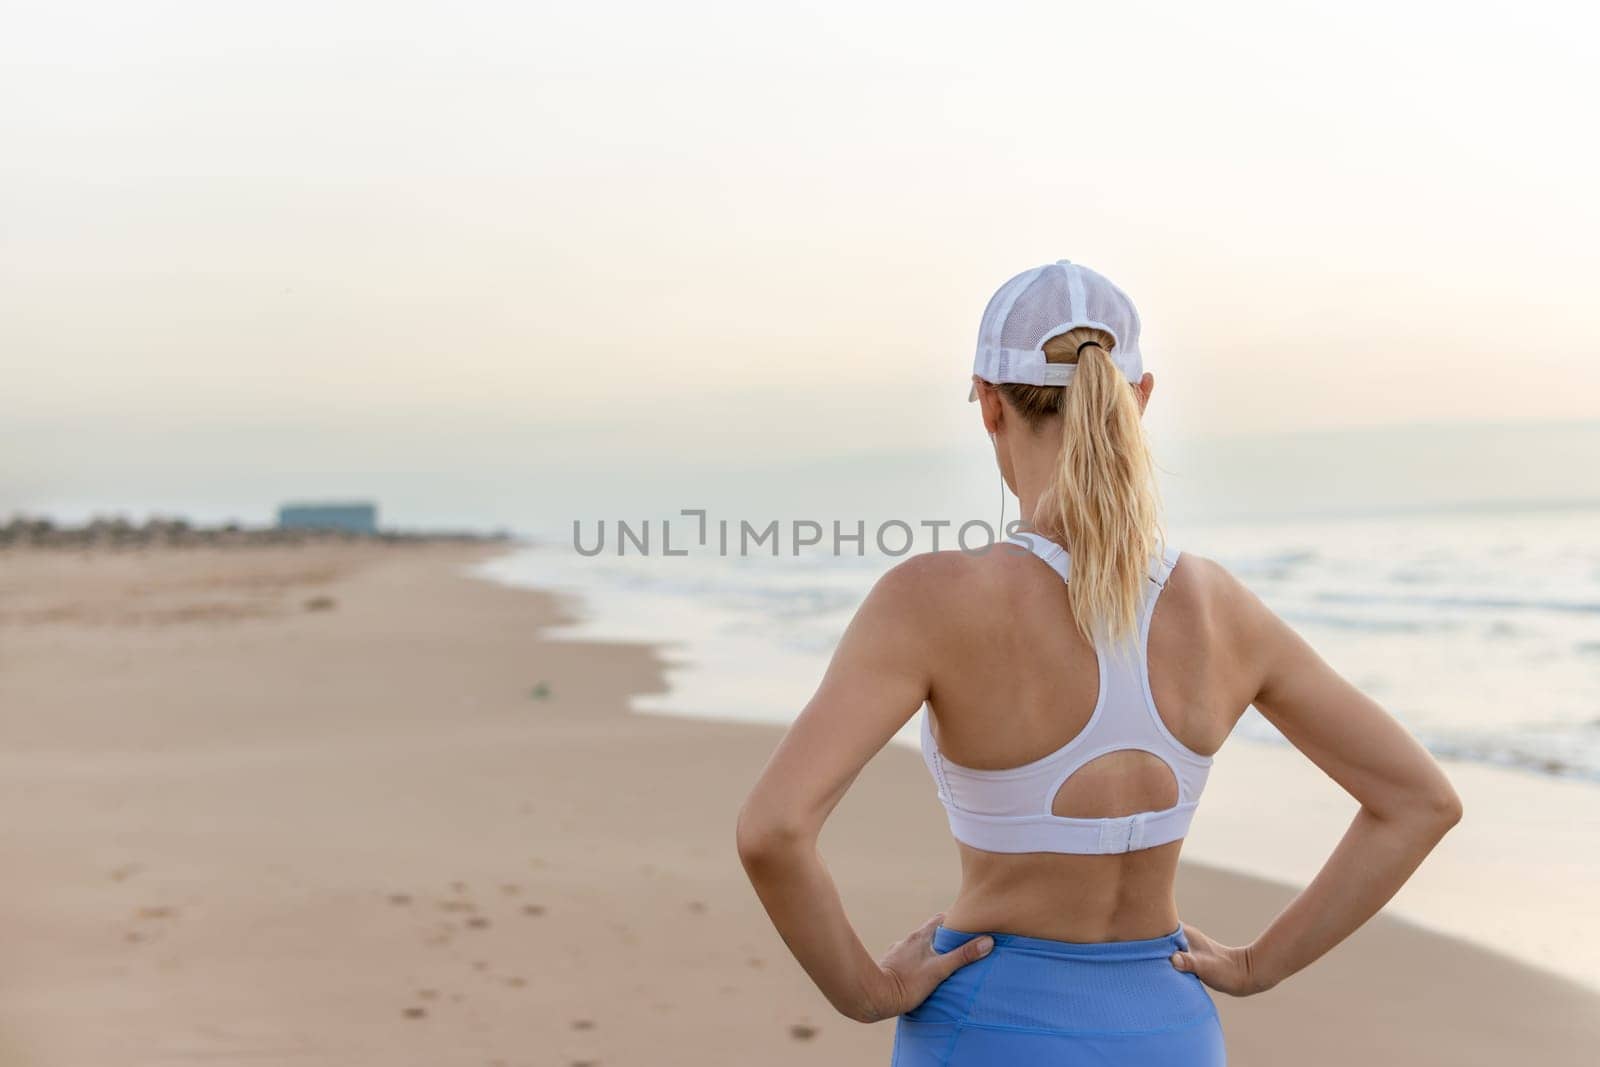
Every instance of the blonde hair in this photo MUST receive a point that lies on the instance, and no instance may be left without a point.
(1103, 501)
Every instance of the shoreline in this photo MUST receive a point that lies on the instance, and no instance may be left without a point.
(1475, 886)
(414, 827)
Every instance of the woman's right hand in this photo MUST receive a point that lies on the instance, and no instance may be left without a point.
(1222, 967)
(912, 968)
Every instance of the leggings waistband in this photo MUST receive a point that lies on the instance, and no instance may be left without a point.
(1152, 948)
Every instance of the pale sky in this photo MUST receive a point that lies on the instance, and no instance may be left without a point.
(382, 237)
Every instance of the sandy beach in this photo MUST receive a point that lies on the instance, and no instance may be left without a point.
(344, 804)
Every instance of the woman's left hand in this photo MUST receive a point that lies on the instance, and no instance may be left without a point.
(912, 969)
(1222, 967)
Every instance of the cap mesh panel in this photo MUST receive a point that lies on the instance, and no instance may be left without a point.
(1040, 308)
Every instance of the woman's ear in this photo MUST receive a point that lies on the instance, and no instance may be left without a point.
(1146, 386)
(989, 403)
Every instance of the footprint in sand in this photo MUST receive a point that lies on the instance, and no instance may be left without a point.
(516, 982)
(583, 1024)
(585, 1063)
(479, 965)
(755, 961)
(124, 872)
(533, 909)
(459, 887)
(802, 1032)
(427, 994)
(511, 889)
(414, 1013)
(698, 907)
(156, 913)
(478, 922)
(400, 900)
(457, 906)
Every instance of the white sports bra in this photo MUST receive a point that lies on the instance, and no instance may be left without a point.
(1009, 810)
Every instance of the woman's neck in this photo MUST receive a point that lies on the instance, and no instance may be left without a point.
(1034, 458)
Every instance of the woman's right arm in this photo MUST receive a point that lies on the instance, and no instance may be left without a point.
(1407, 805)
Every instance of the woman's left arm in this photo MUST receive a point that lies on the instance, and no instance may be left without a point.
(878, 678)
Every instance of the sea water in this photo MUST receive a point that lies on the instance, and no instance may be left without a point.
(1478, 629)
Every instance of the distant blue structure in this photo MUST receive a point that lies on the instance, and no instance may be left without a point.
(350, 516)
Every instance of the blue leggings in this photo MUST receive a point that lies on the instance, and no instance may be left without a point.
(1031, 1002)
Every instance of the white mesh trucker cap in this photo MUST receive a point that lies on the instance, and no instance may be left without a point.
(1040, 303)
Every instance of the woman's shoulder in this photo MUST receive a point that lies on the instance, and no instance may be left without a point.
(1218, 597)
(954, 568)
(1210, 579)
(931, 575)
(957, 584)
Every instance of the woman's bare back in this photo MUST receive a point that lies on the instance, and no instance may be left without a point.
(1014, 681)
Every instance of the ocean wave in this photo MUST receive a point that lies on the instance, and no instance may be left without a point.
(1300, 617)
(1475, 603)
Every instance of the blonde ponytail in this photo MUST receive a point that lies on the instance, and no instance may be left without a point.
(1103, 502)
